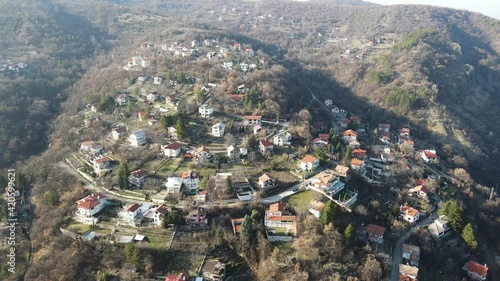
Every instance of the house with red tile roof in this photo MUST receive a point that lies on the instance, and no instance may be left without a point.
(420, 191)
(252, 120)
(236, 223)
(278, 221)
(180, 277)
(266, 182)
(349, 135)
(265, 146)
(202, 152)
(476, 271)
(101, 164)
(357, 164)
(375, 233)
(191, 181)
(429, 156)
(89, 206)
(409, 214)
(173, 149)
(309, 163)
(136, 178)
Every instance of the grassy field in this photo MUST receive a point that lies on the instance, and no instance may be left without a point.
(79, 228)
(300, 201)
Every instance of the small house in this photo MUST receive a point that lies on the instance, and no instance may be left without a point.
(173, 149)
(476, 271)
(138, 138)
(206, 110)
(266, 182)
(429, 156)
(233, 153)
(137, 177)
(266, 146)
(191, 182)
(315, 207)
(309, 163)
(409, 214)
(173, 185)
(218, 129)
(252, 120)
(349, 135)
(375, 233)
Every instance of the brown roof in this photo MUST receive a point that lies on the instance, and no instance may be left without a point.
(281, 218)
(103, 159)
(349, 133)
(264, 178)
(375, 229)
(189, 174)
(309, 159)
(174, 145)
(276, 207)
(133, 207)
(356, 162)
(266, 143)
(478, 268)
(88, 203)
(202, 148)
(162, 209)
(409, 211)
(139, 173)
(359, 151)
(87, 143)
(429, 154)
(252, 117)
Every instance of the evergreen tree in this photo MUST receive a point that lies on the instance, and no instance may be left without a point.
(338, 148)
(107, 104)
(330, 213)
(252, 143)
(255, 216)
(123, 175)
(347, 155)
(349, 234)
(455, 214)
(181, 128)
(469, 237)
(167, 121)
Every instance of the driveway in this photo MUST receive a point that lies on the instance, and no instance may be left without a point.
(397, 253)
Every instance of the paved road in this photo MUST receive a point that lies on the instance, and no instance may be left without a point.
(266, 200)
(397, 253)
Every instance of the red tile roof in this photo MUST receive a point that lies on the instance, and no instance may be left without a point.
(409, 211)
(181, 277)
(349, 133)
(189, 174)
(264, 178)
(359, 151)
(88, 203)
(174, 145)
(139, 173)
(276, 207)
(356, 162)
(266, 143)
(103, 159)
(252, 117)
(308, 159)
(162, 209)
(477, 268)
(375, 229)
(429, 154)
(133, 207)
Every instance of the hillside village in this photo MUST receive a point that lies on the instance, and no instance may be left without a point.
(207, 154)
(192, 161)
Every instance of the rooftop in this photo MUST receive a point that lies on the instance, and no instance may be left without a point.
(375, 229)
(308, 159)
(478, 268)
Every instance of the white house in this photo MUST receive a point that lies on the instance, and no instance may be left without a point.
(122, 99)
(266, 146)
(172, 132)
(439, 227)
(476, 271)
(429, 156)
(252, 120)
(156, 215)
(136, 178)
(244, 67)
(282, 139)
(173, 149)
(157, 80)
(266, 182)
(173, 185)
(409, 214)
(233, 153)
(249, 53)
(218, 129)
(86, 146)
(277, 218)
(202, 152)
(315, 207)
(101, 164)
(90, 205)
(349, 135)
(117, 133)
(206, 110)
(152, 97)
(130, 212)
(309, 163)
(138, 138)
(191, 182)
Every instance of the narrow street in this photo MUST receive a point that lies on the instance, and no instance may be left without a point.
(397, 253)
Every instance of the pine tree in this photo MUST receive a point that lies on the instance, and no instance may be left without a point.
(469, 237)
(455, 214)
(349, 234)
(181, 128)
(330, 213)
(252, 143)
(123, 175)
(347, 155)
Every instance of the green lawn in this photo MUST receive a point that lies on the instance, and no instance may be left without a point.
(79, 228)
(300, 201)
(131, 194)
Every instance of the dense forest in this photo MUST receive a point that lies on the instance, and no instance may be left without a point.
(440, 76)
